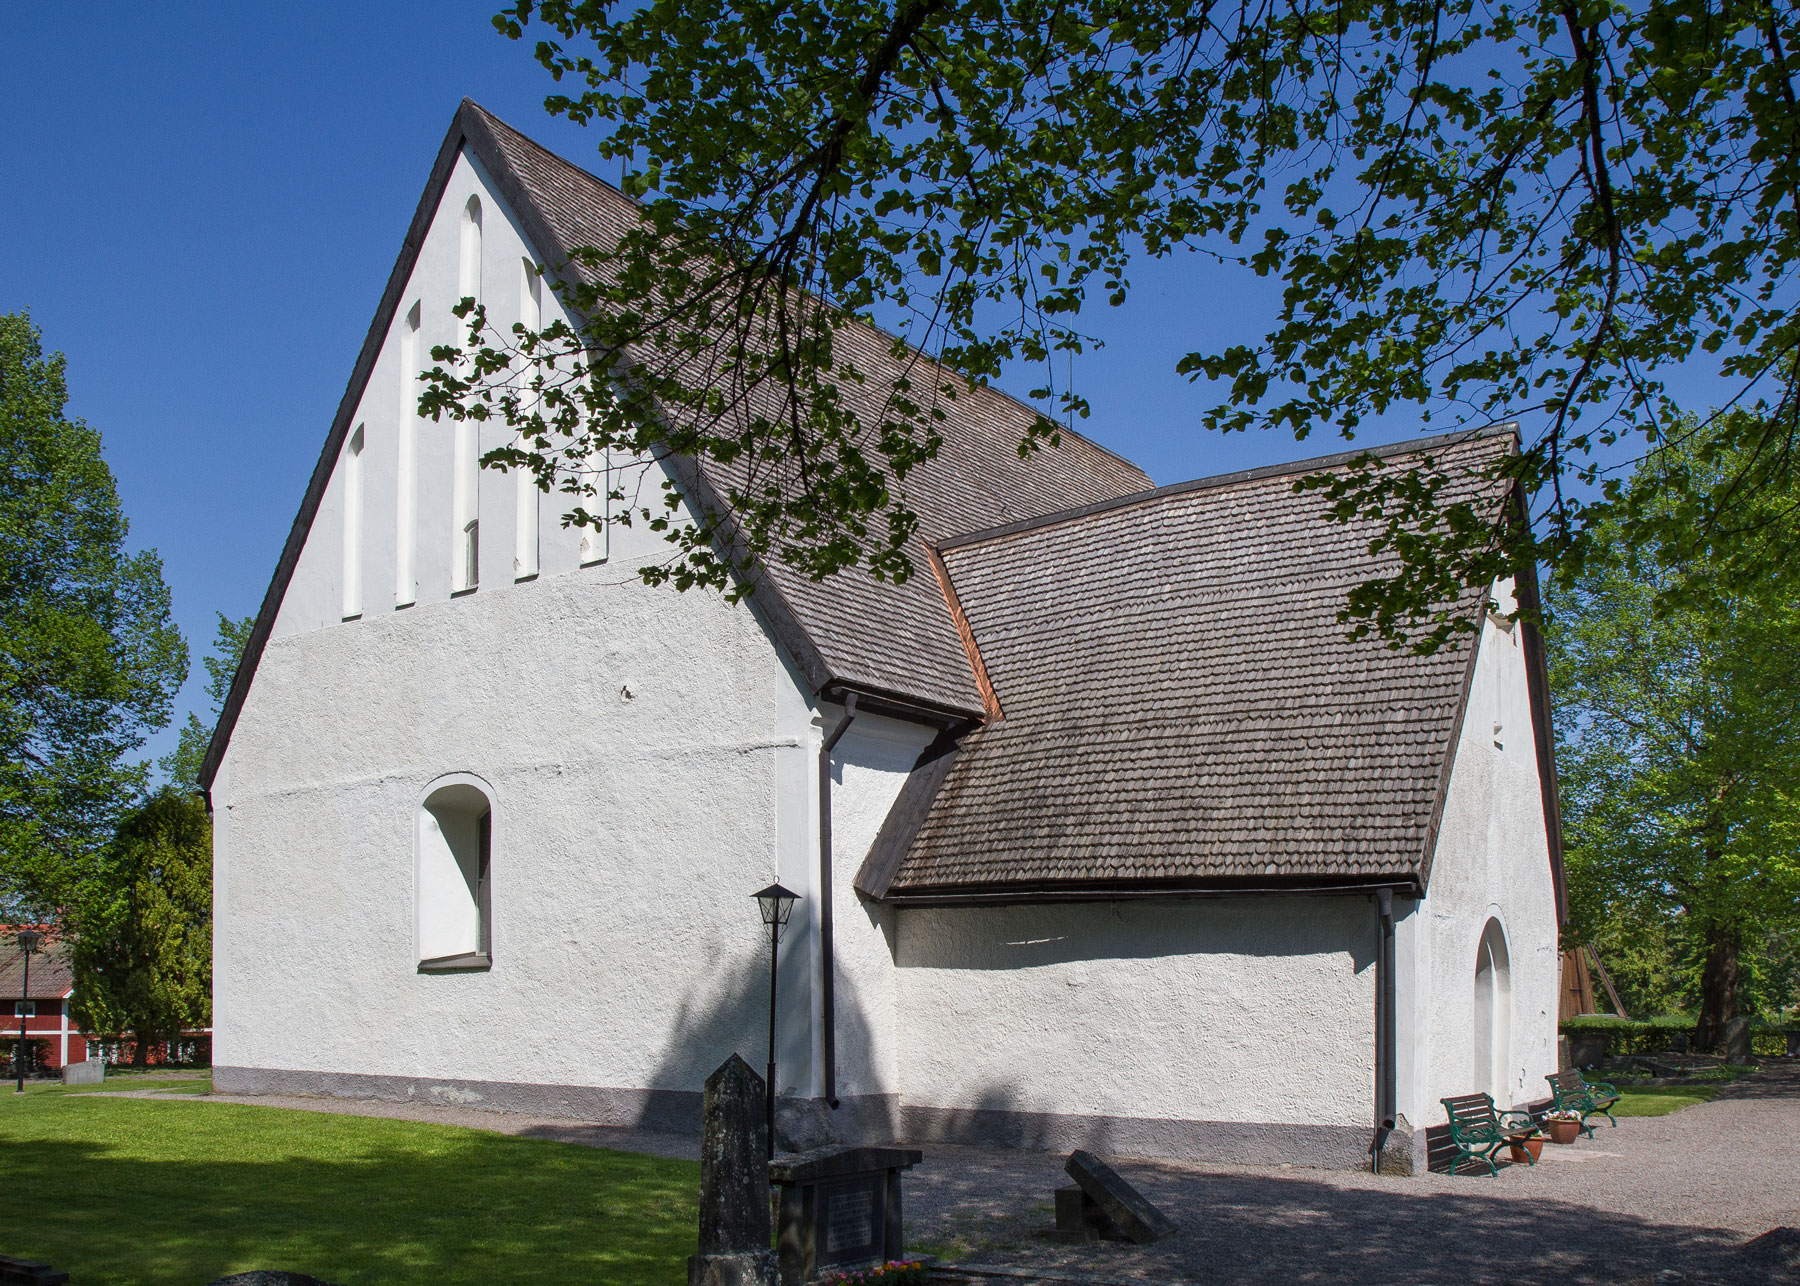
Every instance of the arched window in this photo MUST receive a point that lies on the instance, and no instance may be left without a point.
(353, 525)
(468, 276)
(406, 531)
(453, 901)
(1493, 1016)
(525, 488)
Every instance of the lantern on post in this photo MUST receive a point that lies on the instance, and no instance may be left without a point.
(28, 943)
(776, 905)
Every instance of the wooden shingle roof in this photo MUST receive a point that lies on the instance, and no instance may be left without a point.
(51, 973)
(1182, 706)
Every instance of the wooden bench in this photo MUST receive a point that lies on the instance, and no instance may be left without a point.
(1570, 1093)
(1477, 1131)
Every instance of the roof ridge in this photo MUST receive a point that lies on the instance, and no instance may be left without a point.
(531, 142)
(1457, 437)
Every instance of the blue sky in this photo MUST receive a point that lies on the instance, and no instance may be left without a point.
(200, 204)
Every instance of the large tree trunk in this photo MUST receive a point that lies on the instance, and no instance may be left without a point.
(1718, 987)
(140, 1050)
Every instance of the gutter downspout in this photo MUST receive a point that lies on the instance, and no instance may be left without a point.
(1386, 1106)
(828, 961)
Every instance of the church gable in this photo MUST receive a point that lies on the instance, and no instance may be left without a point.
(892, 641)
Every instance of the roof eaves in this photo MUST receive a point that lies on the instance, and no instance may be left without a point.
(1007, 893)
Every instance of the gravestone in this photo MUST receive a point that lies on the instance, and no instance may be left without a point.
(1563, 1060)
(1079, 1217)
(1588, 1049)
(734, 1182)
(839, 1209)
(1793, 1042)
(28, 1272)
(92, 1072)
(1124, 1204)
(1737, 1040)
(1678, 1043)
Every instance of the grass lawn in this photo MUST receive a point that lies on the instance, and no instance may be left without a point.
(1660, 1100)
(116, 1190)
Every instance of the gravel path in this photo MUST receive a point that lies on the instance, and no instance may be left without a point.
(1670, 1194)
(1661, 1199)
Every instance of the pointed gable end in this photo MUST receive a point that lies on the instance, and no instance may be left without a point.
(851, 632)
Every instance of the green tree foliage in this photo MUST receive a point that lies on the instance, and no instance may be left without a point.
(1677, 699)
(89, 657)
(181, 766)
(1480, 208)
(143, 932)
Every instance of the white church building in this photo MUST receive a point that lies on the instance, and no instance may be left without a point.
(1104, 833)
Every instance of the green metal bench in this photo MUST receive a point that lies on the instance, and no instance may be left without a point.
(1477, 1131)
(1569, 1092)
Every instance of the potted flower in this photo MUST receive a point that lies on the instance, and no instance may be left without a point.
(1526, 1147)
(896, 1272)
(1562, 1126)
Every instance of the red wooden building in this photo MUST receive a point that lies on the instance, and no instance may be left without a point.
(44, 1007)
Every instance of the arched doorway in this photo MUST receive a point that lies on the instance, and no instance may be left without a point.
(1493, 1016)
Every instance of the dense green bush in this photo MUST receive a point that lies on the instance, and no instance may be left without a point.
(1655, 1035)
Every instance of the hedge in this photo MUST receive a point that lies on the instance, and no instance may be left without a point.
(1655, 1035)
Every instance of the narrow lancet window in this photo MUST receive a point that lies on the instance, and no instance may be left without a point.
(465, 554)
(525, 488)
(468, 277)
(353, 525)
(406, 530)
(596, 542)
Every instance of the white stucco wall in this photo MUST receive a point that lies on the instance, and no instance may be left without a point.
(1253, 1010)
(870, 765)
(652, 760)
(1492, 863)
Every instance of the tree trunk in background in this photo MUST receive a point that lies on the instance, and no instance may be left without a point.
(1718, 987)
(140, 1049)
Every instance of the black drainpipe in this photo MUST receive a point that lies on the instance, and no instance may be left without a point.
(1386, 1094)
(829, 965)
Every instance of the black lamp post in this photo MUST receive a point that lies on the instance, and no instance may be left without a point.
(776, 904)
(28, 943)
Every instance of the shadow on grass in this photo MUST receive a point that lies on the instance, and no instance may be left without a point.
(139, 1191)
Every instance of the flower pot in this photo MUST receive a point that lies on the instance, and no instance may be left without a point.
(1561, 1131)
(1524, 1150)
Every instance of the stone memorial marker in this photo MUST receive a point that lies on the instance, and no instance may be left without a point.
(28, 1272)
(1124, 1205)
(734, 1182)
(839, 1209)
(1079, 1217)
(268, 1277)
(1737, 1040)
(92, 1072)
